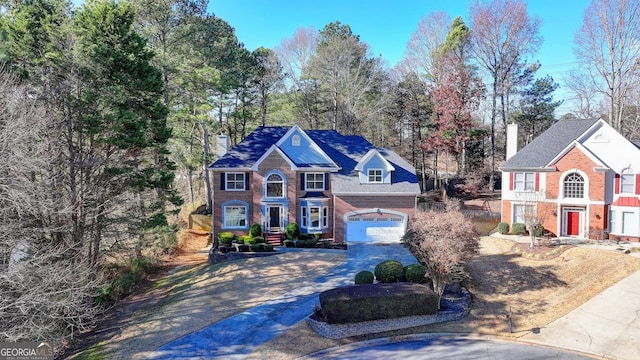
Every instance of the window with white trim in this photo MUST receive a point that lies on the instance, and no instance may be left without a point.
(314, 218)
(573, 186)
(629, 223)
(274, 186)
(235, 216)
(627, 183)
(524, 181)
(235, 181)
(314, 181)
(375, 175)
(524, 213)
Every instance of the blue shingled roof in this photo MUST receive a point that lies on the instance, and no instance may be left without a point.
(539, 152)
(344, 150)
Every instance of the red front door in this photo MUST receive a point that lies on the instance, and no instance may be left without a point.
(573, 223)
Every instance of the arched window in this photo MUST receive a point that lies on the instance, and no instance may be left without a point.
(275, 186)
(573, 186)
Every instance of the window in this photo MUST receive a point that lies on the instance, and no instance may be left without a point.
(573, 186)
(628, 183)
(295, 140)
(235, 216)
(275, 186)
(629, 223)
(375, 175)
(523, 213)
(524, 181)
(314, 181)
(235, 181)
(314, 218)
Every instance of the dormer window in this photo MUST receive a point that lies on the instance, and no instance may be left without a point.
(375, 175)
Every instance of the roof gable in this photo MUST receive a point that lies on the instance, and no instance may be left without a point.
(543, 149)
(373, 156)
(303, 151)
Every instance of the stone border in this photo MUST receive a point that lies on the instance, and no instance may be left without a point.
(455, 309)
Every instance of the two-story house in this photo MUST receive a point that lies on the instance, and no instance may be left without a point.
(580, 178)
(340, 186)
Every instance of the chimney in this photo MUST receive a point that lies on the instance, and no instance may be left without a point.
(512, 140)
(222, 145)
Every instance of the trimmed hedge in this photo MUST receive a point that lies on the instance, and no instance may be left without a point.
(364, 277)
(518, 229)
(255, 247)
(292, 231)
(389, 271)
(255, 230)
(288, 243)
(267, 247)
(259, 239)
(503, 228)
(367, 302)
(226, 237)
(415, 273)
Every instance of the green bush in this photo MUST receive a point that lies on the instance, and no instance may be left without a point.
(226, 237)
(311, 243)
(288, 243)
(365, 302)
(249, 241)
(243, 248)
(389, 271)
(255, 230)
(538, 230)
(301, 243)
(364, 277)
(503, 228)
(518, 229)
(292, 231)
(267, 247)
(259, 239)
(255, 247)
(415, 273)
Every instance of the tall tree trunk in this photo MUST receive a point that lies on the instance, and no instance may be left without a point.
(205, 164)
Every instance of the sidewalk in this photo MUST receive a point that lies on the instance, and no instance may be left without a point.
(608, 325)
(237, 336)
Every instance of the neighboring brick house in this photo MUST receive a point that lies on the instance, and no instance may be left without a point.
(580, 178)
(340, 186)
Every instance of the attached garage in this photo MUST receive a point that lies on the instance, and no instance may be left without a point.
(375, 226)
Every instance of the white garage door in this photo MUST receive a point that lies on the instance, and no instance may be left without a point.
(375, 228)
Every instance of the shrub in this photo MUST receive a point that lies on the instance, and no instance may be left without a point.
(503, 228)
(226, 237)
(366, 302)
(364, 277)
(288, 243)
(255, 247)
(301, 243)
(389, 271)
(243, 248)
(255, 230)
(292, 231)
(259, 240)
(267, 247)
(415, 273)
(249, 241)
(538, 230)
(311, 243)
(518, 229)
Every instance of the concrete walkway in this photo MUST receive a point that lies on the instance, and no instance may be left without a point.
(608, 325)
(237, 336)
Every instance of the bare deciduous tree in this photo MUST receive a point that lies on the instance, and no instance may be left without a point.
(45, 289)
(442, 241)
(503, 35)
(426, 42)
(607, 46)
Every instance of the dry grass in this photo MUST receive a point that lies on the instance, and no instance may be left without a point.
(536, 292)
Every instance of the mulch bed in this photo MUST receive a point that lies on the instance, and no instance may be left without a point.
(540, 252)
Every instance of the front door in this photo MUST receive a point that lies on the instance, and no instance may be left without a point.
(572, 221)
(274, 218)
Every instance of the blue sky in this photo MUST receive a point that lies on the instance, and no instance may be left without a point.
(387, 25)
